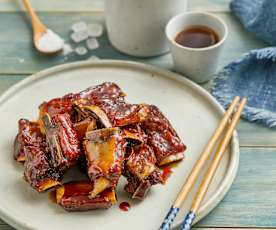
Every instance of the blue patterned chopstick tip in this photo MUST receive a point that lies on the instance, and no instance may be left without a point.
(169, 218)
(187, 223)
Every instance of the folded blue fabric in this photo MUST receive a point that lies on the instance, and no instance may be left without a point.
(254, 77)
(257, 16)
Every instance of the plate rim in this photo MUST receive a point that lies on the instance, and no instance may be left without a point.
(235, 151)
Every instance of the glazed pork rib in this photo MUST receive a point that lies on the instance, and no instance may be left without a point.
(83, 109)
(104, 149)
(62, 140)
(104, 91)
(121, 113)
(162, 137)
(28, 135)
(84, 126)
(74, 196)
(56, 106)
(134, 135)
(106, 103)
(108, 112)
(141, 171)
(30, 146)
(38, 171)
(94, 94)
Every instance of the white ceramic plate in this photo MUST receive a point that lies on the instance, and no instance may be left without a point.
(191, 110)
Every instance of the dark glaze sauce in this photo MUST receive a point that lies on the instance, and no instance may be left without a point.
(124, 206)
(197, 37)
(52, 196)
(167, 171)
(77, 189)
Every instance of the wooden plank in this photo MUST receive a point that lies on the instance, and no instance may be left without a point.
(18, 56)
(228, 228)
(98, 5)
(250, 201)
(209, 5)
(53, 5)
(7, 81)
(2, 223)
(252, 134)
(6, 227)
(239, 40)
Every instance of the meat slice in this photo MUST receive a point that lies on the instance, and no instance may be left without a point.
(106, 103)
(74, 196)
(162, 137)
(106, 90)
(83, 109)
(56, 106)
(38, 171)
(104, 149)
(84, 126)
(28, 135)
(62, 140)
(134, 135)
(108, 112)
(121, 113)
(141, 171)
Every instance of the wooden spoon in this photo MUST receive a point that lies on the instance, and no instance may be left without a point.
(40, 30)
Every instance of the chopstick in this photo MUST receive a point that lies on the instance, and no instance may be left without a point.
(187, 223)
(202, 160)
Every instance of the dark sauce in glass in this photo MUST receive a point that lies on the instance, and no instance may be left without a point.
(197, 37)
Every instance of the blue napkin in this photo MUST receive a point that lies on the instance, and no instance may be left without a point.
(257, 16)
(254, 77)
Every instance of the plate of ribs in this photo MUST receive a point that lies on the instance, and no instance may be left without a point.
(105, 145)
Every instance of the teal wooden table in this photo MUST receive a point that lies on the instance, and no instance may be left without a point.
(251, 202)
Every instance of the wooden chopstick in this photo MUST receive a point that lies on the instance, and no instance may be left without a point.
(205, 155)
(187, 223)
(198, 166)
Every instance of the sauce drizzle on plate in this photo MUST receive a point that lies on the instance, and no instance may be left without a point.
(124, 206)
